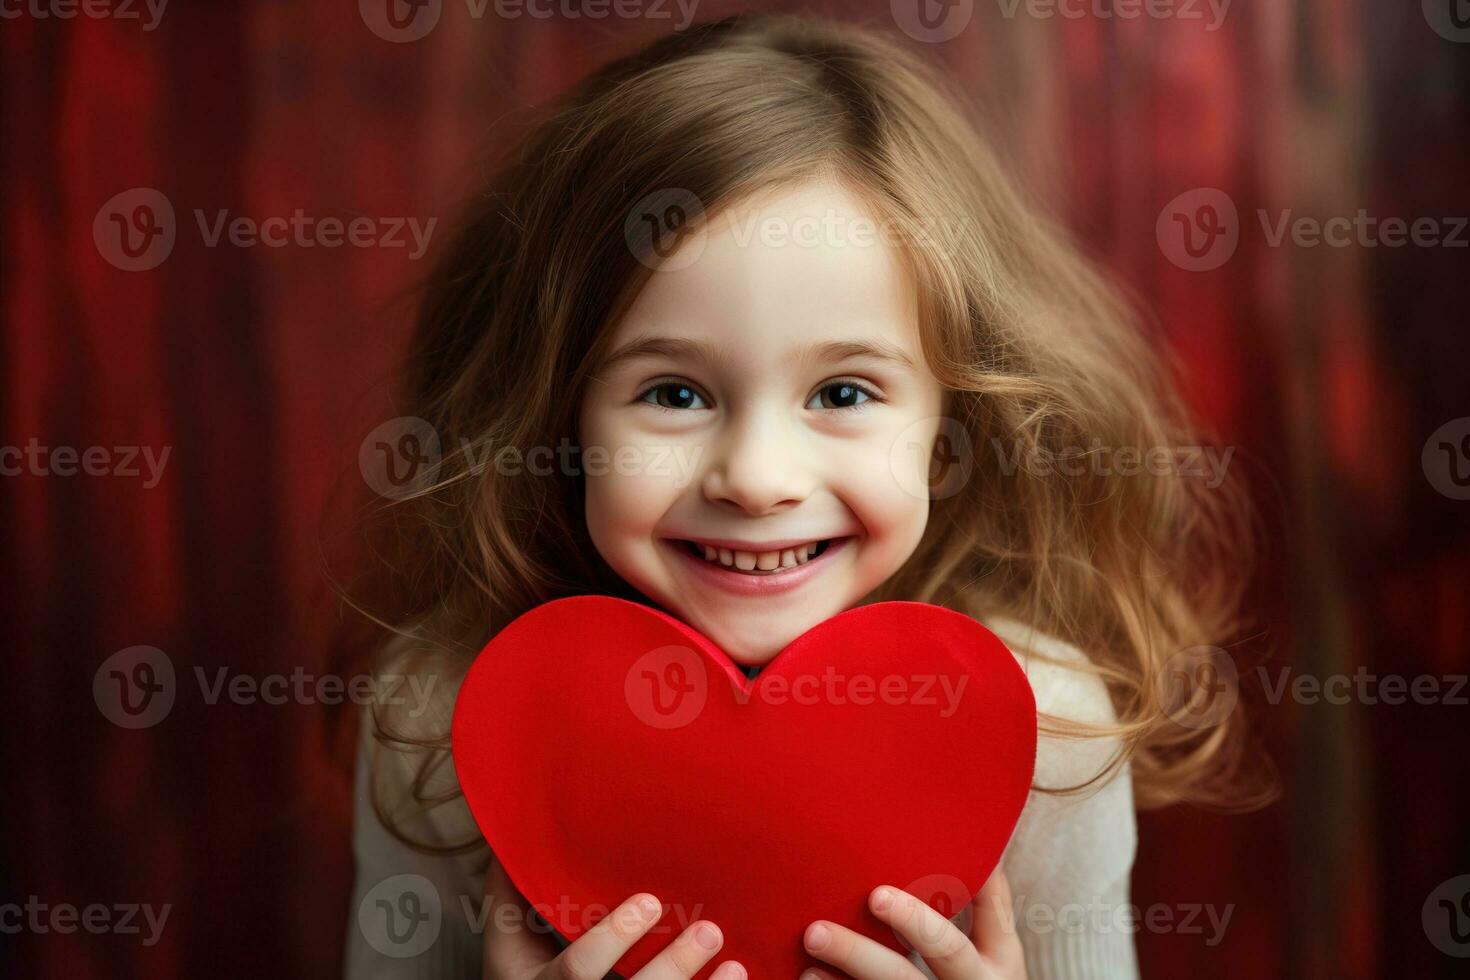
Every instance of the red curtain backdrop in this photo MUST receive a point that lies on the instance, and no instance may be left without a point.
(259, 369)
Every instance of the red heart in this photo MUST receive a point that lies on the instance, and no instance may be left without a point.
(606, 748)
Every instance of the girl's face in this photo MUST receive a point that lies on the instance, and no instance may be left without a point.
(757, 441)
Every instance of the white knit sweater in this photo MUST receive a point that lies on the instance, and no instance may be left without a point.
(1068, 861)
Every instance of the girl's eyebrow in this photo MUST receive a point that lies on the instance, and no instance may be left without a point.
(671, 347)
(678, 347)
(841, 350)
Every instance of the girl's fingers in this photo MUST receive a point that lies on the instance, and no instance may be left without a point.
(856, 954)
(688, 954)
(993, 924)
(591, 956)
(818, 973)
(947, 950)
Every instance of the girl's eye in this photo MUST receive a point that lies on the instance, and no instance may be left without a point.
(672, 394)
(839, 394)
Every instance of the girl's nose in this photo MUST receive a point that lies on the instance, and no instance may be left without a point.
(760, 468)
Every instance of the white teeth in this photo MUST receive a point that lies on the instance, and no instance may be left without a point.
(765, 561)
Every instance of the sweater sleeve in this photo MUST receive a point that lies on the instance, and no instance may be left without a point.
(1071, 856)
(1069, 860)
(413, 914)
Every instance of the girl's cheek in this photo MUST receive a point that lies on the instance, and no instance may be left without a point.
(633, 479)
(882, 481)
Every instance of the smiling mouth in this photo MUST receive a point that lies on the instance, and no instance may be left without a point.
(758, 563)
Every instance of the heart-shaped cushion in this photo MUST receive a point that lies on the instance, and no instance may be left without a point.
(605, 748)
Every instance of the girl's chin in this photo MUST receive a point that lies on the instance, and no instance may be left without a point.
(750, 647)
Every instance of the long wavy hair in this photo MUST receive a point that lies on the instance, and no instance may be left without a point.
(1040, 357)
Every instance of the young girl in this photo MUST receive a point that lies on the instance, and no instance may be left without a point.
(753, 328)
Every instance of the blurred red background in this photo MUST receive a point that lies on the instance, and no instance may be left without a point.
(261, 368)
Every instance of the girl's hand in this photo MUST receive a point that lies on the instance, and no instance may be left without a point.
(992, 950)
(514, 952)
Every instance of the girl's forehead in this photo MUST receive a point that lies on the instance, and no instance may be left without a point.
(806, 265)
